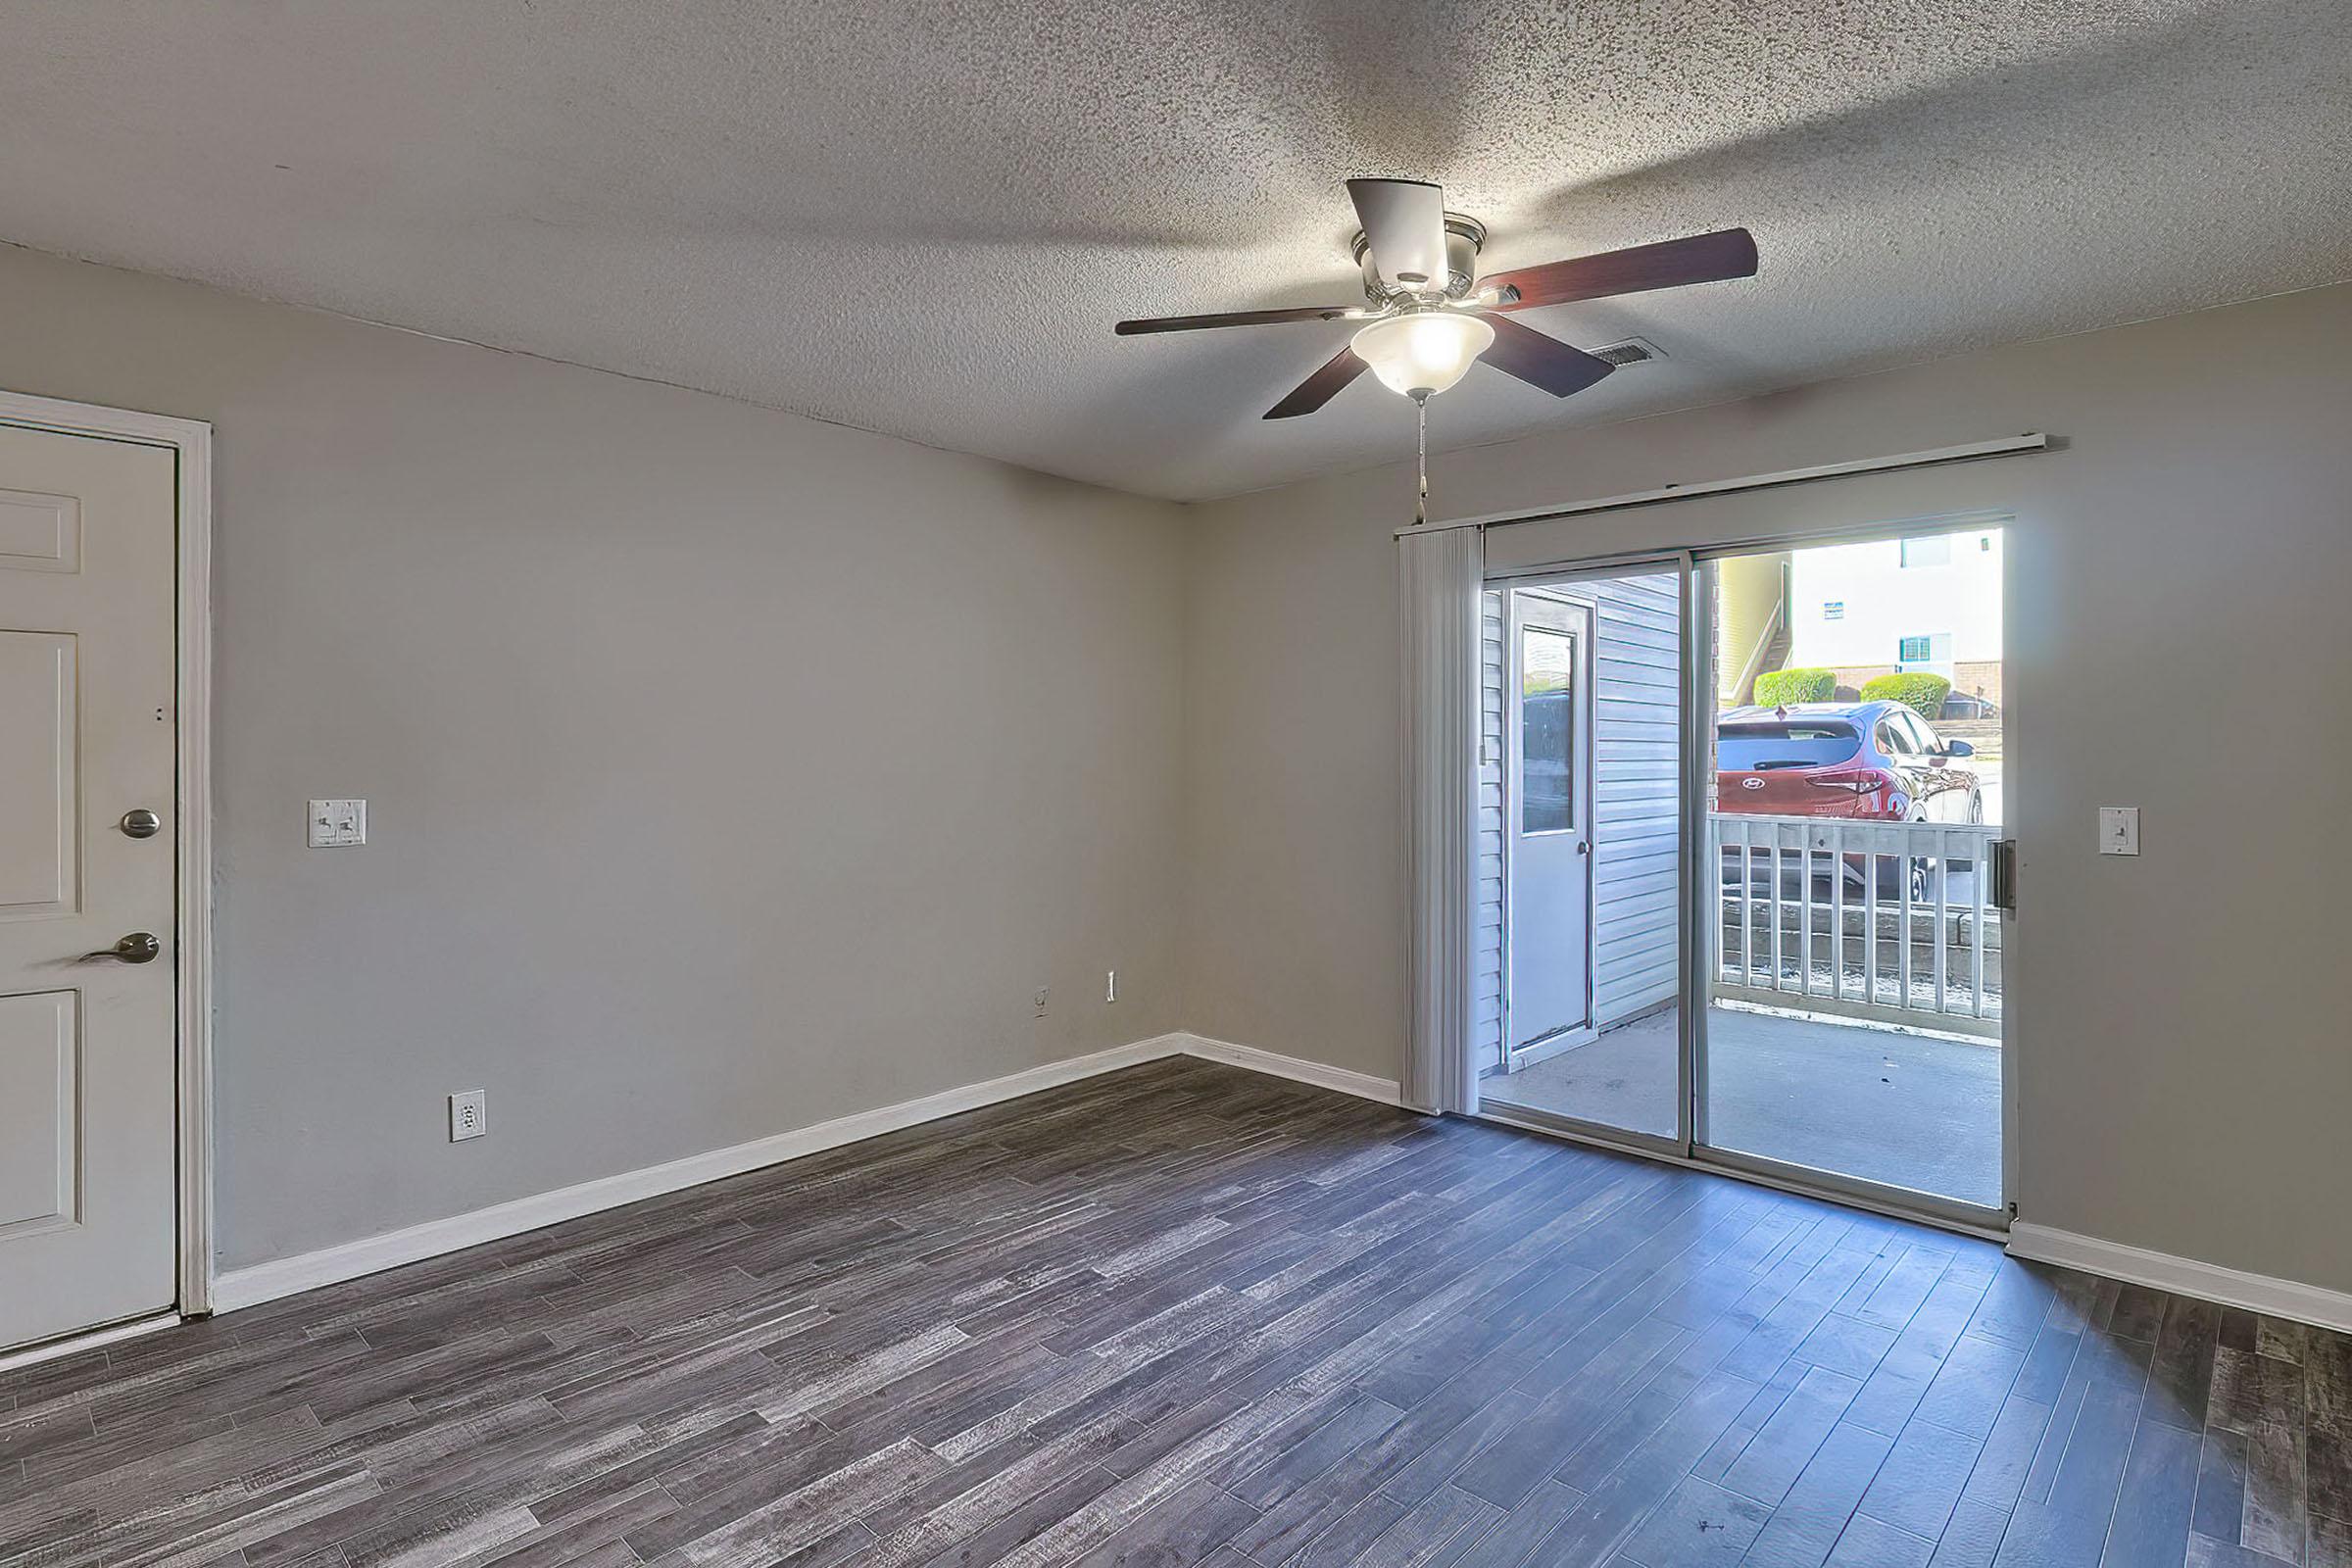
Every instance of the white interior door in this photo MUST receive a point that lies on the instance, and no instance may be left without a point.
(1548, 825)
(87, 1061)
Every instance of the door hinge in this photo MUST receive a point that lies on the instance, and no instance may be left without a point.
(2004, 876)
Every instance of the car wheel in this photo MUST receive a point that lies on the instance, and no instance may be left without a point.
(1963, 866)
(1893, 871)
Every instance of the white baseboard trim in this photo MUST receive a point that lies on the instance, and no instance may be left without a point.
(2185, 1276)
(370, 1255)
(1299, 1069)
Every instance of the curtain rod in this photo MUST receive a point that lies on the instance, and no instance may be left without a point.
(1969, 451)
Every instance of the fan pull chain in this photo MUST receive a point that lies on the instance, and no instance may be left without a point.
(1421, 417)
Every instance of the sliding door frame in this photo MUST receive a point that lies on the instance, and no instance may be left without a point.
(1690, 1146)
(1951, 1212)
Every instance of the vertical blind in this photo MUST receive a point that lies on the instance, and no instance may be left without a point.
(1441, 575)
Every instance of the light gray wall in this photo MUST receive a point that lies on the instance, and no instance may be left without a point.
(727, 772)
(2176, 611)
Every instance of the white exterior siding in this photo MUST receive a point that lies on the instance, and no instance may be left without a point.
(1854, 605)
(1637, 741)
(1637, 719)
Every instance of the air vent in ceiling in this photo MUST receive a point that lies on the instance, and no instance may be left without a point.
(1633, 351)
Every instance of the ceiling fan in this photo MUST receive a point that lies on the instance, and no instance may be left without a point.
(1428, 315)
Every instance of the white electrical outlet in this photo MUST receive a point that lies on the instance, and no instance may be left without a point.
(1040, 998)
(336, 825)
(468, 1114)
(1111, 985)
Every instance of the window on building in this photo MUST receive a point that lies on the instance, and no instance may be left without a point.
(1928, 549)
(1915, 650)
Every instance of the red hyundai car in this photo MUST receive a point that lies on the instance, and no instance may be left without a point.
(1874, 762)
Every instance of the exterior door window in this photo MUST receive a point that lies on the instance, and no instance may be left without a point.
(1547, 708)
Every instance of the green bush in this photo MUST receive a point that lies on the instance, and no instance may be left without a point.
(1778, 688)
(1920, 692)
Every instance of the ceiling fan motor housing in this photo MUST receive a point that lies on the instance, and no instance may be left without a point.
(1421, 332)
(1465, 237)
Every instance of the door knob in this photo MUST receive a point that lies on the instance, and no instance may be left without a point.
(140, 947)
(141, 823)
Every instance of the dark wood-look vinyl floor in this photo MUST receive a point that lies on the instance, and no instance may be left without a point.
(1185, 1314)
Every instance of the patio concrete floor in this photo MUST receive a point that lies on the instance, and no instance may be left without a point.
(1904, 1110)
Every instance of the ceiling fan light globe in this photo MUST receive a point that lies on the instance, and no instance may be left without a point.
(1424, 351)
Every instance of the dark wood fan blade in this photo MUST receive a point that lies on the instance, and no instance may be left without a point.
(1195, 324)
(1703, 259)
(1319, 388)
(1541, 361)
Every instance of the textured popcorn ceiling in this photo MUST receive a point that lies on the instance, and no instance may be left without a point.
(924, 218)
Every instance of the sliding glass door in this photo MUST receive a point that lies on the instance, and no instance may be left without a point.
(1737, 818)
(1851, 1021)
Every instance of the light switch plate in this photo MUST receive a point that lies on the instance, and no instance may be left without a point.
(335, 825)
(2119, 830)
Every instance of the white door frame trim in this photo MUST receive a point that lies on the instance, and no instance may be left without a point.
(1586, 615)
(191, 442)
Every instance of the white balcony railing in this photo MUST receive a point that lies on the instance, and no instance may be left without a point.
(1889, 921)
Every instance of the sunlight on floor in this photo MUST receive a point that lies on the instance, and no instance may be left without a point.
(1904, 1110)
